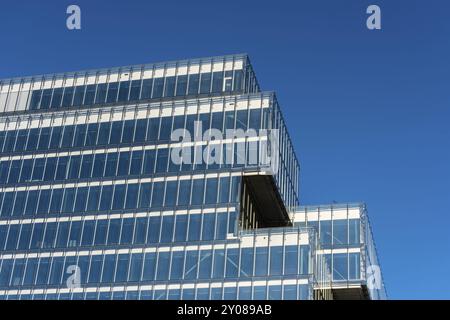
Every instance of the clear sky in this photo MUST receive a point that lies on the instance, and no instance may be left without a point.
(368, 111)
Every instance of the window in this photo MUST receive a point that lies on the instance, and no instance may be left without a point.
(181, 85)
(136, 266)
(25, 236)
(103, 135)
(90, 95)
(325, 232)
(145, 195)
(158, 194)
(340, 266)
(158, 87)
(354, 266)
(162, 159)
(246, 269)
(79, 95)
(193, 84)
(112, 92)
(181, 228)
(194, 227)
(291, 260)
(124, 91)
(219, 263)
(211, 191)
(190, 271)
(86, 166)
(119, 196)
(205, 264)
(68, 96)
(95, 269)
(209, 220)
(154, 229)
(224, 189)
(274, 292)
(171, 193)
(67, 136)
(232, 263)
(276, 261)
(101, 93)
(116, 132)
(99, 165)
(128, 131)
(149, 266)
(56, 271)
(170, 87)
(46, 97)
(135, 90)
(108, 269)
(93, 199)
(132, 196)
(127, 231)
(57, 197)
(163, 266)
(124, 163)
(38, 171)
(68, 200)
(167, 228)
(44, 201)
(100, 232)
(36, 238)
(91, 137)
(166, 128)
(50, 169)
(184, 192)
(88, 233)
(197, 196)
(105, 200)
(44, 139)
(111, 165)
(177, 265)
(75, 234)
(123, 261)
(205, 83)
(217, 85)
(261, 261)
(354, 233)
(140, 233)
(141, 130)
(63, 234)
(43, 271)
(149, 161)
(146, 88)
(114, 231)
(340, 232)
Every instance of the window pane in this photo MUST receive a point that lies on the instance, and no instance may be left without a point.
(194, 227)
(191, 265)
(205, 83)
(158, 86)
(232, 263)
(181, 85)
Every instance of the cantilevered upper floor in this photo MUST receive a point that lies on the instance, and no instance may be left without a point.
(346, 242)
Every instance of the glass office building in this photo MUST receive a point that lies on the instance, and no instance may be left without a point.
(173, 180)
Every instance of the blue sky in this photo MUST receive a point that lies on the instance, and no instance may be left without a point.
(368, 111)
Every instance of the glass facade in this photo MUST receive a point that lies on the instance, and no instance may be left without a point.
(175, 180)
(346, 242)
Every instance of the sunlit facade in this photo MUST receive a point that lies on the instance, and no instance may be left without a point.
(93, 204)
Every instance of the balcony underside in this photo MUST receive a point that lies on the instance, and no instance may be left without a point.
(266, 204)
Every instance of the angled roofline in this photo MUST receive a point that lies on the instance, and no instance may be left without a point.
(243, 56)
